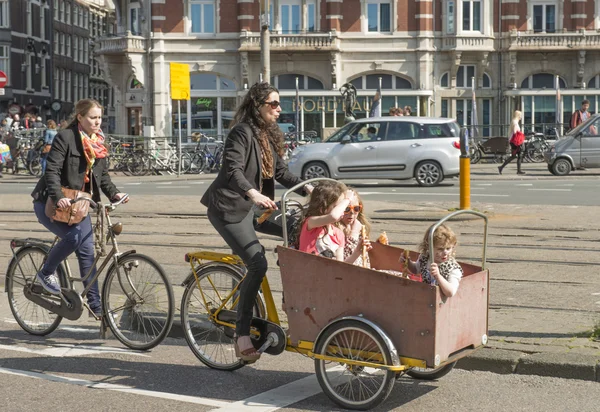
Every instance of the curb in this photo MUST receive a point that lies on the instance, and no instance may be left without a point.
(506, 362)
(557, 365)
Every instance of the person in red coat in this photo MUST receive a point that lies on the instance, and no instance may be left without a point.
(516, 144)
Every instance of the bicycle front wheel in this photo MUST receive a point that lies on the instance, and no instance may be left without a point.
(138, 302)
(210, 342)
(21, 273)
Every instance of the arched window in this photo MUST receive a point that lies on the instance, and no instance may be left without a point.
(288, 82)
(388, 81)
(542, 81)
(444, 80)
(594, 82)
(487, 81)
(135, 84)
(210, 81)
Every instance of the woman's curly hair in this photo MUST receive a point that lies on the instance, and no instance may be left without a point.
(248, 112)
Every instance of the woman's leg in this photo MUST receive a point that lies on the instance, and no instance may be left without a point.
(71, 238)
(85, 257)
(513, 154)
(241, 238)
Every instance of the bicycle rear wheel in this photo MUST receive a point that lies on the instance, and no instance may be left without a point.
(210, 342)
(21, 272)
(138, 302)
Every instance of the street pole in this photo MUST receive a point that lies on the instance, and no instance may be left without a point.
(265, 41)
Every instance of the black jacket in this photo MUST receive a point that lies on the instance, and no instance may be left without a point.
(241, 171)
(66, 166)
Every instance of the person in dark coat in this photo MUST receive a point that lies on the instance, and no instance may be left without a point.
(77, 161)
(251, 165)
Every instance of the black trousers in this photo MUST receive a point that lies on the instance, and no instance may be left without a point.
(241, 238)
(516, 151)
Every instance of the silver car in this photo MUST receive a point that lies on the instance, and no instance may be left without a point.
(384, 148)
(578, 148)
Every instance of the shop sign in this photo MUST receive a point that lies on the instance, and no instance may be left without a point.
(204, 102)
(14, 109)
(330, 104)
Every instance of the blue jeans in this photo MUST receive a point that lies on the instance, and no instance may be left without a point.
(77, 238)
(43, 162)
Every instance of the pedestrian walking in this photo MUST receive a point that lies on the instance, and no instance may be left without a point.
(49, 135)
(516, 144)
(580, 115)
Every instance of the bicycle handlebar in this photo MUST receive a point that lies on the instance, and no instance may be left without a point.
(93, 204)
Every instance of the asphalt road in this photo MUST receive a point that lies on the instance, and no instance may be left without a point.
(582, 191)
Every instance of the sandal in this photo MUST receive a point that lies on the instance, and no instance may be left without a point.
(247, 355)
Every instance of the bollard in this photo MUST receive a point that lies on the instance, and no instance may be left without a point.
(465, 171)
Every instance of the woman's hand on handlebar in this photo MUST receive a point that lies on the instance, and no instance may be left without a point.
(63, 203)
(120, 196)
(261, 200)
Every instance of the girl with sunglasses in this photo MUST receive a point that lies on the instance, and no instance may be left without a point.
(352, 224)
(251, 165)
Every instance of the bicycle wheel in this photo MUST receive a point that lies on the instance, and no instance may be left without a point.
(138, 164)
(173, 163)
(351, 386)
(210, 342)
(35, 166)
(198, 163)
(430, 374)
(138, 302)
(33, 318)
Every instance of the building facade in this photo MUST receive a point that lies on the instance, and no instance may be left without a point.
(428, 54)
(25, 56)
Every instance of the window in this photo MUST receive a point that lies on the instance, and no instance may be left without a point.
(68, 13)
(61, 13)
(444, 82)
(62, 85)
(4, 14)
(487, 81)
(69, 89)
(387, 82)
(290, 16)
(464, 76)
(379, 16)
(288, 82)
(544, 18)
(86, 17)
(75, 15)
(55, 42)
(463, 112)
(5, 60)
(471, 15)
(444, 107)
(450, 17)
(56, 15)
(402, 131)
(542, 81)
(62, 44)
(135, 25)
(311, 18)
(56, 83)
(202, 15)
(42, 23)
(68, 45)
(75, 48)
(80, 51)
(86, 57)
(369, 132)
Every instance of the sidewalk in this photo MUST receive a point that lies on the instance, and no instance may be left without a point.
(544, 292)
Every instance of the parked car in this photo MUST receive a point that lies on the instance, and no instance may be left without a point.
(423, 148)
(579, 148)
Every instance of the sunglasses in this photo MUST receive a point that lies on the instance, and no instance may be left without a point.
(355, 209)
(274, 104)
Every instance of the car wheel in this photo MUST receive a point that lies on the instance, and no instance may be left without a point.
(561, 167)
(315, 169)
(429, 173)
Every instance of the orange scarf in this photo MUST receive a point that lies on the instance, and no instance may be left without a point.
(93, 148)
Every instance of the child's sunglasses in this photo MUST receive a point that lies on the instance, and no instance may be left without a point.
(274, 104)
(356, 209)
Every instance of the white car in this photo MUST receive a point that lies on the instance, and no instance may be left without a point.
(423, 148)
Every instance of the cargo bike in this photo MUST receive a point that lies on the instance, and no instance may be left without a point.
(363, 328)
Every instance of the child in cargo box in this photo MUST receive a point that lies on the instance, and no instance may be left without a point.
(444, 271)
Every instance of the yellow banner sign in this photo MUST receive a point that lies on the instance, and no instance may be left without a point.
(180, 81)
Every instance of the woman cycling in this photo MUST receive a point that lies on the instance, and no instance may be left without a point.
(77, 161)
(251, 165)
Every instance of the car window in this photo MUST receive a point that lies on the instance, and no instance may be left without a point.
(336, 137)
(593, 129)
(402, 131)
(369, 132)
(437, 130)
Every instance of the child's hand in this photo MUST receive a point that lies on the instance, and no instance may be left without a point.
(350, 195)
(402, 259)
(435, 271)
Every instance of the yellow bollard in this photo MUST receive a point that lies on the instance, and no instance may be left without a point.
(465, 182)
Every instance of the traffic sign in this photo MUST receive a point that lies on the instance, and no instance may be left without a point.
(180, 81)
(3, 79)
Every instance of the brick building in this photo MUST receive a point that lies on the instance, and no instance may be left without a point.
(428, 54)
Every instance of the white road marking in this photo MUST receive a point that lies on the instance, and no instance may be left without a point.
(426, 194)
(567, 184)
(196, 183)
(164, 183)
(483, 184)
(30, 187)
(132, 183)
(280, 397)
(173, 187)
(117, 388)
(524, 184)
(552, 190)
(59, 351)
(75, 329)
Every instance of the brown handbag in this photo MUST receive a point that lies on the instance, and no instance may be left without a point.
(73, 214)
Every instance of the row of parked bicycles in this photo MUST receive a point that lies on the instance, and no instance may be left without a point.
(25, 150)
